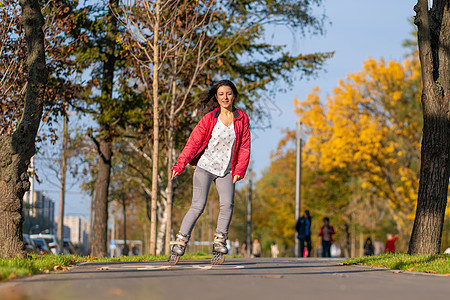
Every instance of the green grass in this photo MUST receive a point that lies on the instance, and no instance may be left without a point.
(17, 267)
(437, 263)
(12, 268)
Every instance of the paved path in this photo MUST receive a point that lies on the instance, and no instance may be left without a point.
(263, 278)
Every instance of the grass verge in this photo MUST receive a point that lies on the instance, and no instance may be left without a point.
(437, 263)
(12, 268)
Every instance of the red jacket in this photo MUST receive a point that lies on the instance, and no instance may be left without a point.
(331, 232)
(199, 138)
(390, 245)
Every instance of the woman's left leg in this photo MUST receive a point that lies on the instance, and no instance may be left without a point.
(225, 187)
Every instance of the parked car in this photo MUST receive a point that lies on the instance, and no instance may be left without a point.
(51, 241)
(30, 247)
(68, 247)
(41, 246)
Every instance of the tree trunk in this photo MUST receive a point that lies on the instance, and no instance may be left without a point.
(347, 243)
(17, 149)
(170, 153)
(104, 146)
(99, 242)
(162, 218)
(62, 194)
(91, 213)
(125, 246)
(434, 44)
(155, 156)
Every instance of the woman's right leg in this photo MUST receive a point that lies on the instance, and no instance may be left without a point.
(201, 183)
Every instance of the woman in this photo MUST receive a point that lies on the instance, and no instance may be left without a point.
(369, 249)
(326, 232)
(220, 148)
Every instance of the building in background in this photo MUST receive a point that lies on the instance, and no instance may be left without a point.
(39, 213)
(78, 232)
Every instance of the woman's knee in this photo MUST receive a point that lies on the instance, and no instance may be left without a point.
(196, 210)
(226, 206)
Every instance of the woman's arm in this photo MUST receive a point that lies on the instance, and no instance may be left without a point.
(243, 155)
(194, 142)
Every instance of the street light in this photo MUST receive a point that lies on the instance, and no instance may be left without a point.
(298, 181)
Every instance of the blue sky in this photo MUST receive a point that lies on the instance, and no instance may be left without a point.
(359, 29)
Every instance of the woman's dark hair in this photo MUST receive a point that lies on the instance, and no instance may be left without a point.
(208, 98)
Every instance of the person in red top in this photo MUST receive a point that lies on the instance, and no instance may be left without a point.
(219, 147)
(326, 232)
(390, 243)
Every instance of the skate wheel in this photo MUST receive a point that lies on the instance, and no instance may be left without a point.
(173, 259)
(217, 258)
(222, 259)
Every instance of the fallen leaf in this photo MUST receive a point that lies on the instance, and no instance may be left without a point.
(103, 268)
(445, 275)
(64, 269)
(431, 271)
(12, 276)
(399, 271)
(46, 271)
(58, 268)
(410, 269)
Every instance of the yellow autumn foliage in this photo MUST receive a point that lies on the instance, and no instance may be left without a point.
(360, 161)
(370, 127)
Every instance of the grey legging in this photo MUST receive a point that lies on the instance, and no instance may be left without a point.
(202, 183)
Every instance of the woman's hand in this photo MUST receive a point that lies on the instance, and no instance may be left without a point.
(174, 174)
(236, 178)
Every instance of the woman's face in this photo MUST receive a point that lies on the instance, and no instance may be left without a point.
(225, 97)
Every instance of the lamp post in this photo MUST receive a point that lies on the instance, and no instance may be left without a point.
(298, 182)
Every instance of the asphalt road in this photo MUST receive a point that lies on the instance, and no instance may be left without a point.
(260, 278)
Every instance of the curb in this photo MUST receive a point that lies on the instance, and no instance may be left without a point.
(397, 271)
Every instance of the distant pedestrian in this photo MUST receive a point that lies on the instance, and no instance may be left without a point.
(236, 246)
(134, 249)
(302, 227)
(274, 250)
(308, 236)
(378, 246)
(326, 232)
(256, 248)
(369, 249)
(244, 249)
(390, 243)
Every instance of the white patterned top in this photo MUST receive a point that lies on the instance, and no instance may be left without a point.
(218, 154)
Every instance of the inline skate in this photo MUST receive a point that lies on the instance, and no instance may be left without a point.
(178, 248)
(219, 248)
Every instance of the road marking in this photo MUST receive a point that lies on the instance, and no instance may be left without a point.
(153, 268)
(201, 267)
(167, 267)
